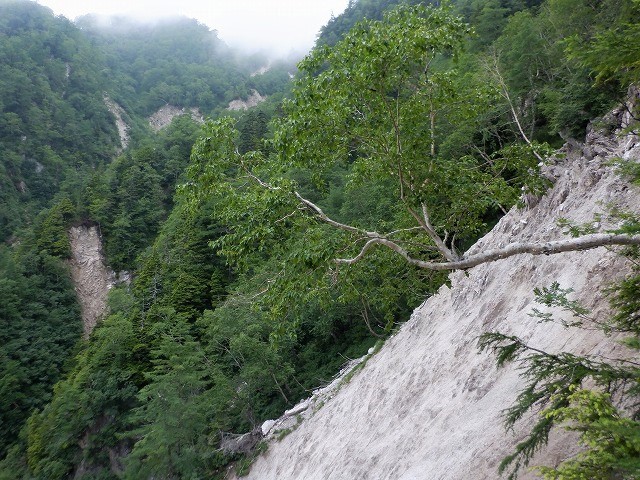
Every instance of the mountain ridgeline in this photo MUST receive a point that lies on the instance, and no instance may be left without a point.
(253, 239)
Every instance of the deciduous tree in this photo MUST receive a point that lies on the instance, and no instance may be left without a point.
(379, 102)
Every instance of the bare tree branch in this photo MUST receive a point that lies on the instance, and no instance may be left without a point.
(365, 317)
(450, 255)
(454, 262)
(376, 237)
(342, 226)
(546, 248)
(495, 71)
(275, 380)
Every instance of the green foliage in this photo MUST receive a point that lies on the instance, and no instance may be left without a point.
(53, 121)
(128, 204)
(612, 51)
(628, 168)
(253, 129)
(88, 406)
(238, 338)
(357, 10)
(51, 231)
(361, 136)
(489, 18)
(406, 111)
(626, 301)
(383, 101)
(133, 195)
(56, 136)
(544, 59)
(612, 442)
(175, 61)
(39, 327)
(555, 296)
(177, 409)
(180, 270)
(579, 230)
(215, 160)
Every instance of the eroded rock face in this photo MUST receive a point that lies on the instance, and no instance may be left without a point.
(91, 277)
(123, 129)
(165, 115)
(262, 70)
(428, 405)
(253, 100)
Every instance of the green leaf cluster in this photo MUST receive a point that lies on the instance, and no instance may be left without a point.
(612, 441)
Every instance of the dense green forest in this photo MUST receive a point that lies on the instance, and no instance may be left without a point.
(176, 61)
(53, 120)
(237, 308)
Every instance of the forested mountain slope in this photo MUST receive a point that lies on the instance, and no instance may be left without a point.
(267, 246)
(62, 83)
(54, 124)
(63, 166)
(175, 61)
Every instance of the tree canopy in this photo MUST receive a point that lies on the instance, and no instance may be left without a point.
(381, 103)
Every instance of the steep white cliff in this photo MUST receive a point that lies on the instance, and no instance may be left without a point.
(428, 405)
(165, 115)
(253, 100)
(91, 278)
(118, 114)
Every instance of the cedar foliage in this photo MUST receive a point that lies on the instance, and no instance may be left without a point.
(560, 388)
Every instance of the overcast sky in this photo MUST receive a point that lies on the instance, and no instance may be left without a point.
(275, 25)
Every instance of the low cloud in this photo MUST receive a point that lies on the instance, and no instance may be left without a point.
(274, 26)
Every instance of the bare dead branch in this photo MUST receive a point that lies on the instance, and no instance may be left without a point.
(365, 317)
(323, 216)
(275, 380)
(395, 232)
(388, 243)
(545, 248)
(450, 255)
(504, 90)
(252, 176)
(287, 216)
(454, 262)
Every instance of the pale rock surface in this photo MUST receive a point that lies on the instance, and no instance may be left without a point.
(123, 129)
(428, 405)
(91, 277)
(253, 100)
(262, 70)
(266, 427)
(165, 115)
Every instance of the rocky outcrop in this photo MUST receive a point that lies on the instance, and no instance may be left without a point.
(91, 277)
(428, 405)
(123, 129)
(165, 115)
(262, 70)
(233, 444)
(253, 100)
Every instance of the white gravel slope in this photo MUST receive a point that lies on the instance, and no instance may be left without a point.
(91, 277)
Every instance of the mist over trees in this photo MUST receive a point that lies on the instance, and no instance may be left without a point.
(421, 119)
